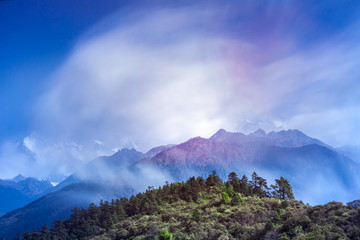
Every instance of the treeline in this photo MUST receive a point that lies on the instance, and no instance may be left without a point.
(84, 223)
(239, 208)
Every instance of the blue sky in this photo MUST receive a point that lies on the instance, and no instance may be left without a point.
(36, 37)
(81, 79)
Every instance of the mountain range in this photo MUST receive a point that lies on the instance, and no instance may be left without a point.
(19, 191)
(318, 172)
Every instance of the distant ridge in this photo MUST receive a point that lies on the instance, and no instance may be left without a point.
(18, 178)
(284, 138)
(19, 191)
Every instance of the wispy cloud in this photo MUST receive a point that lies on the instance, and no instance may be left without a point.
(162, 75)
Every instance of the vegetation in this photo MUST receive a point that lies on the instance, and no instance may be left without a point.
(209, 209)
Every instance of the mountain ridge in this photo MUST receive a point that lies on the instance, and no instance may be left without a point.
(22, 191)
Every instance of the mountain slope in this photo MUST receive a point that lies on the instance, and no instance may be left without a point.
(11, 198)
(20, 191)
(57, 205)
(103, 168)
(103, 178)
(318, 174)
(199, 209)
(351, 151)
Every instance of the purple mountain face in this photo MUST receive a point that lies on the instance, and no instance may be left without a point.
(289, 138)
(229, 148)
(152, 152)
(196, 151)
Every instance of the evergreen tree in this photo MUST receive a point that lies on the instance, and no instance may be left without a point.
(244, 186)
(282, 189)
(259, 185)
(213, 179)
(217, 180)
(233, 178)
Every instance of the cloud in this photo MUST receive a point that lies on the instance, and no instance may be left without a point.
(13, 160)
(121, 89)
(162, 75)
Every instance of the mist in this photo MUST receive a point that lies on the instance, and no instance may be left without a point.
(137, 177)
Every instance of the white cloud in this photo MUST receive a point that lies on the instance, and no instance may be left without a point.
(125, 90)
(167, 75)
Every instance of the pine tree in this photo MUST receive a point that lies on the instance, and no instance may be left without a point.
(282, 189)
(233, 178)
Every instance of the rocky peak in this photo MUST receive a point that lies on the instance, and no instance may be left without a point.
(220, 133)
(259, 133)
(18, 178)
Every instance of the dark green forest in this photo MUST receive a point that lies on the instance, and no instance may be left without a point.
(239, 208)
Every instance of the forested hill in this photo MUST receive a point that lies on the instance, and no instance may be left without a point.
(210, 209)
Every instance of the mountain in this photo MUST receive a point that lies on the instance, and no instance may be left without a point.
(103, 168)
(152, 152)
(289, 138)
(20, 191)
(318, 174)
(308, 163)
(352, 151)
(11, 198)
(226, 149)
(317, 171)
(18, 178)
(56, 205)
(103, 178)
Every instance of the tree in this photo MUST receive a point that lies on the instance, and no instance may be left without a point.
(216, 178)
(259, 185)
(243, 186)
(213, 179)
(201, 182)
(233, 178)
(254, 180)
(244, 179)
(282, 189)
(193, 188)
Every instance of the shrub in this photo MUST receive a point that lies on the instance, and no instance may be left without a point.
(165, 235)
(226, 197)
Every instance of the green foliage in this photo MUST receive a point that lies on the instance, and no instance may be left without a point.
(283, 236)
(230, 191)
(165, 235)
(196, 215)
(209, 209)
(237, 199)
(226, 197)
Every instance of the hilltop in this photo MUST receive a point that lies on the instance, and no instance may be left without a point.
(210, 209)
